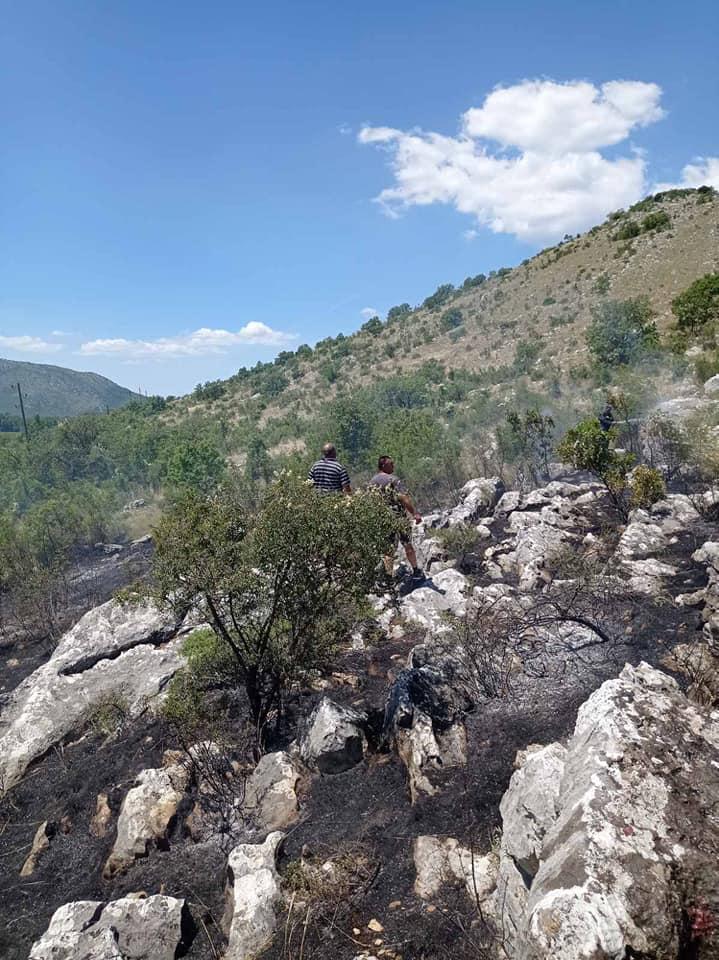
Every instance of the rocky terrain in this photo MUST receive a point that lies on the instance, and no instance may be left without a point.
(517, 759)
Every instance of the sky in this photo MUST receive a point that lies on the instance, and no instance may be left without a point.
(187, 188)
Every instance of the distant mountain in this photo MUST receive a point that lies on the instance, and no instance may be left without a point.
(52, 391)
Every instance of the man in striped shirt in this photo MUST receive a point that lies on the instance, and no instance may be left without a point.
(328, 474)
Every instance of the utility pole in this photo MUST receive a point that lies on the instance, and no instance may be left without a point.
(22, 411)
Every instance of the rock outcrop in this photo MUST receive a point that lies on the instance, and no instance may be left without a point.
(443, 861)
(146, 814)
(252, 896)
(333, 738)
(602, 856)
(270, 792)
(128, 929)
(125, 652)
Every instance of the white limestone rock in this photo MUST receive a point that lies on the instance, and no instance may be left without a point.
(333, 739)
(593, 863)
(125, 929)
(146, 814)
(124, 651)
(442, 861)
(426, 606)
(270, 792)
(252, 895)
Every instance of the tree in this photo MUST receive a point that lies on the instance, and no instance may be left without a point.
(195, 465)
(258, 466)
(440, 296)
(621, 331)
(698, 306)
(281, 588)
(373, 326)
(396, 313)
(531, 434)
(588, 447)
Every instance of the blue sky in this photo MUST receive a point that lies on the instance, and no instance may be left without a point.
(187, 187)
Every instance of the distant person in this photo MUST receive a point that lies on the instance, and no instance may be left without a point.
(606, 418)
(328, 475)
(401, 502)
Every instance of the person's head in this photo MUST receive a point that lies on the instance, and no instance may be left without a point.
(385, 464)
(329, 451)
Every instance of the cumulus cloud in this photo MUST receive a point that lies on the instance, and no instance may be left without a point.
(527, 161)
(703, 171)
(368, 312)
(201, 342)
(27, 344)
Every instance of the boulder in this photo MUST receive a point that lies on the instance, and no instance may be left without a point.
(602, 856)
(333, 738)
(252, 895)
(146, 814)
(270, 792)
(428, 606)
(711, 386)
(441, 861)
(126, 652)
(156, 928)
(477, 498)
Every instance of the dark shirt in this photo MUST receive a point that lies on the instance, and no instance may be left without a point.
(329, 476)
(390, 485)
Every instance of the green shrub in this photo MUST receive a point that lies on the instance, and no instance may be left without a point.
(602, 284)
(373, 326)
(658, 220)
(628, 231)
(646, 486)
(440, 296)
(526, 354)
(280, 587)
(698, 306)
(587, 447)
(451, 319)
(457, 334)
(548, 301)
(621, 331)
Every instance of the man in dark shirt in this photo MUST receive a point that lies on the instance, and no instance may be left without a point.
(328, 475)
(401, 502)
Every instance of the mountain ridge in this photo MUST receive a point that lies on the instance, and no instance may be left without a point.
(50, 390)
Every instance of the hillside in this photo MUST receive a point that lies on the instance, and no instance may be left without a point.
(52, 391)
(527, 321)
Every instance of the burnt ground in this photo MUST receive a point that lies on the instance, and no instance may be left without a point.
(364, 813)
(93, 577)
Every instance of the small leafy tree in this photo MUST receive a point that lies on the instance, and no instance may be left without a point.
(281, 588)
(531, 434)
(196, 465)
(588, 447)
(697, 308)
(646, 485)
(621, 331)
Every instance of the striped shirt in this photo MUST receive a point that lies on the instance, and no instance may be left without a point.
(329, 476)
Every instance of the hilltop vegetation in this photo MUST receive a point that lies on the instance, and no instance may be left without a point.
(480, 379)
(51, 391)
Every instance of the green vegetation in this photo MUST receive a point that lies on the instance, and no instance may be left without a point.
(281, 586)
(621, 332)
(50, 391)
(588, 447)
(697, 308)
(646, 485)
(628, 231)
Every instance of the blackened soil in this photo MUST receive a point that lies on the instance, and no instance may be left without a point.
(365, 809)
(25, 643)
(65, 784)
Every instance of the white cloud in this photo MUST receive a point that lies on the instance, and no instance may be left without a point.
(470, 235)
(368, 312)
(703, 171)
(27, 344)
(547, 176)
(200, 342)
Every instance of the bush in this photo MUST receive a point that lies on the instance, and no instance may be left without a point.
(281, 588)
(602, 284)
(526, 354)
(621, 331)
(587, 447)
(196, 465)
(451, 319)
(396, 313)
(373, 326)
(698, 306)
(440, 296)
(646, 486)
(659, 220)
(628, 231)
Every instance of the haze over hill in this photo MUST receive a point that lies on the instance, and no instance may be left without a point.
(51, 391)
